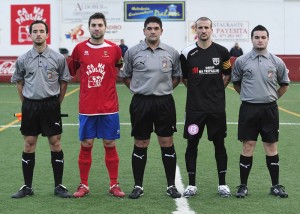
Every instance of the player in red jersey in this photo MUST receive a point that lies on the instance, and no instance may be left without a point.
(96, 59)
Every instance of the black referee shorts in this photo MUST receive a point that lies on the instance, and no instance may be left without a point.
(41, 117)
(152, 113)
(258, 118)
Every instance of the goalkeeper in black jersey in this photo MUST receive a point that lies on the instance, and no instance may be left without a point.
(206, 71)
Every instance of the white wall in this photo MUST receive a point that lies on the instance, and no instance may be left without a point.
(291, 27)
(280, 17)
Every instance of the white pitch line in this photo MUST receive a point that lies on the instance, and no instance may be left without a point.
(181, 203)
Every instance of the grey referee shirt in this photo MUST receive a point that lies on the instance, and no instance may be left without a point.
(151, 71)
(41, 73)
(259, 76)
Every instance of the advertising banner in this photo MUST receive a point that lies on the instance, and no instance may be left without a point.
(79, 11)
(75, 17)
(21, 18)
(230, 31)
(166, 10)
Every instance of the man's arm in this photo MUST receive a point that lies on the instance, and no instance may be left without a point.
(237, 87)
(226, 80)
(63, 90)
(175, 81)
(126, 81)
(20, 85)
(281, 90)
(185, 82)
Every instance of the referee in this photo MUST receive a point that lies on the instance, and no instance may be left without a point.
(255, 77)
(151, 72)
(41, 76)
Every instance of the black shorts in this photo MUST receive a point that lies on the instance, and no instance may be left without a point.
(152, 112)
(195, 122)
(255, 119)
(41, 117)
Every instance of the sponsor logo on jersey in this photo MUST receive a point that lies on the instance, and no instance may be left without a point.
(209, 70)
(194, 52)
(94, 81)
(98, 75)
(92, 69)
(195, 70)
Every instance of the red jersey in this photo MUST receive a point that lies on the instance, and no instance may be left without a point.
(97, 66)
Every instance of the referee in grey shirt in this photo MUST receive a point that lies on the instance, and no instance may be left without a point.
(151, 71)
(256, 76)
(41, 76)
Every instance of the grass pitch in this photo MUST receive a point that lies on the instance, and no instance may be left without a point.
(155, 199)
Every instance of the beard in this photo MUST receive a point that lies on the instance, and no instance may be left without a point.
(260, 48)
(97, 37)
(203, 38)
(152, 40)
(39, 43)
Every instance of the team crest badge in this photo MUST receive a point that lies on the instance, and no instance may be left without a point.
(216, 61)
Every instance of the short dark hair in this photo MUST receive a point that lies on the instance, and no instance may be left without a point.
(97, 16)
(38, 22)
(203, 18)
(154, 19)
(259, 28)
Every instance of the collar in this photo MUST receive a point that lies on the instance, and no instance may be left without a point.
(146, 46)
(45, 54)
(265, 54)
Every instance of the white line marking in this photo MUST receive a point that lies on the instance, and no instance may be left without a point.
(181, 203)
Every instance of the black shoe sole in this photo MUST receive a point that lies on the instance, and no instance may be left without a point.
(240, 196)
(280, 196)
(63, 196)
(131, 197)
(177, 196)
(22, 196)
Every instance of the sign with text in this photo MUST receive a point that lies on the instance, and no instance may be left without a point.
(80, 11)
(75, 17)
(21, 18)
(230, 31)
(166, 10)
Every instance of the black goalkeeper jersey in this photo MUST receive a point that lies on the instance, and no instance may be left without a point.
(204, 70)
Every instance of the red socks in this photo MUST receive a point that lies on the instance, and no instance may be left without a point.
(111, 161)
(84, 163)
(112, 164)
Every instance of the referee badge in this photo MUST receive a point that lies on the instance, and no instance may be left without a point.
(49, 75)
(164, 63)
(270, 74)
